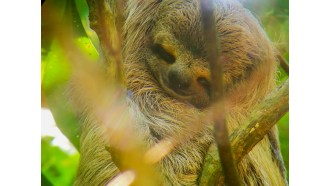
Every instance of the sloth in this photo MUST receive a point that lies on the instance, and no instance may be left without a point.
(168, 78)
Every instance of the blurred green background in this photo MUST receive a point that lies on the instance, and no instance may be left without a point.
(59, 166)
(274, 16)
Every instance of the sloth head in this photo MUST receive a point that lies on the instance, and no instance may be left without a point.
(176, 55)
(181, 70)
(169, 41)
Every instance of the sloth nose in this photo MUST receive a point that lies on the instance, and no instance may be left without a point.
(179, 80)
(188, 81)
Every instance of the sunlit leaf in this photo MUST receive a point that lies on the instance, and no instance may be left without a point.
(57, 166)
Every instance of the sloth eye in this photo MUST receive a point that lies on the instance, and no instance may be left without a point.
(163, 54)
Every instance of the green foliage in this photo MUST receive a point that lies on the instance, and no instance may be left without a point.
(87, 47)
(55, 73)
(55, 67)
(274, 16)
(283, 127)
(57, 166)
(82, 9)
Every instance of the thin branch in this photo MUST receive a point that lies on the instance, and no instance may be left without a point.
(283, 63)
(262, 119)
(217, 95)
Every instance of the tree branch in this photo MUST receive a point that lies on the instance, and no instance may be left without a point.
(283, 63)
(105, 20)
(262, 119)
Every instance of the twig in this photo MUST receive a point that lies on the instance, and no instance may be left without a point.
(283, 63)
(217, 95)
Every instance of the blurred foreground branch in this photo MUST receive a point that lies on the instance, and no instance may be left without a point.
(221, 136)
(100, 97)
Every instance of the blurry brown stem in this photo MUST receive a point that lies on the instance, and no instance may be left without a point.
(106, 20)
(283, 63)
(217, 95)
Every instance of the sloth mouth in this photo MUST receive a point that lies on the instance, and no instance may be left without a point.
(188, 97)
(182, 95)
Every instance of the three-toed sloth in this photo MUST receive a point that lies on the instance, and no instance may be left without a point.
(168, 76)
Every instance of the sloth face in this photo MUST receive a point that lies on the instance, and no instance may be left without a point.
(176, 53)
(176, 57)
(181, 74)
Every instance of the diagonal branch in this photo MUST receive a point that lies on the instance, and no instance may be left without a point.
(262, 119)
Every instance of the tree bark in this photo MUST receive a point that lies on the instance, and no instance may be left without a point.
(106, 20)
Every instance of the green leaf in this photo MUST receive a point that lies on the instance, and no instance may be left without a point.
(57, 166)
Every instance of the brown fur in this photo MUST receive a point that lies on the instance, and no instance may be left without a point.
(249, 75)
